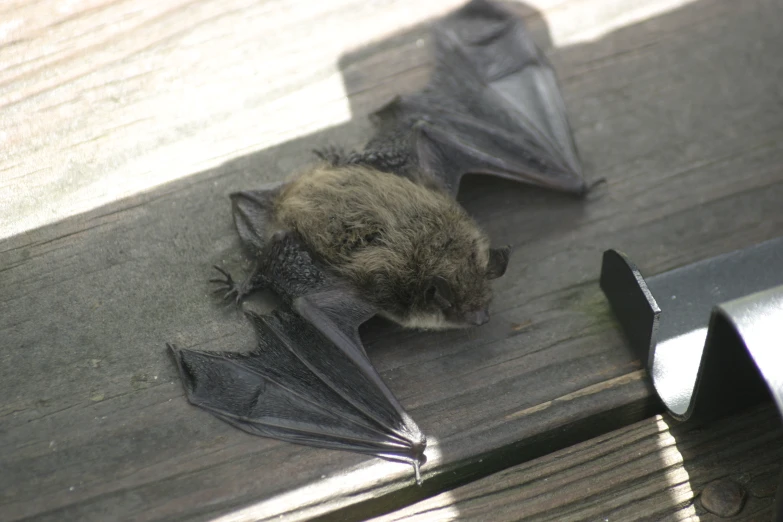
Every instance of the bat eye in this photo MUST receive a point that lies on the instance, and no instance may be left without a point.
(439, 292)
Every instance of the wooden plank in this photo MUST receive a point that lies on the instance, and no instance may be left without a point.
(129, 95)
(652, 470)
(676, 112)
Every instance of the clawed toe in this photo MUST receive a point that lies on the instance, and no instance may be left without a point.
(226, 275)
(227, 285)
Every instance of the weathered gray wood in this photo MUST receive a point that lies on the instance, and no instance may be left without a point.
(681, 114)
(101, 99)
(651, 470)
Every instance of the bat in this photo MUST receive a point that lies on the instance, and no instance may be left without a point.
(303, 384)
(379, 231)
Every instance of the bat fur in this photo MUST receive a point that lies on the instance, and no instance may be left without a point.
(410, 250)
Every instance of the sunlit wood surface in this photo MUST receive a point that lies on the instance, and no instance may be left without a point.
(654, 469)
(124, 125)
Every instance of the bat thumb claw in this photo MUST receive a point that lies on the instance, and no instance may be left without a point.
(596, 183)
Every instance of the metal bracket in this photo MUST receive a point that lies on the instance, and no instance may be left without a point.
(711, 333)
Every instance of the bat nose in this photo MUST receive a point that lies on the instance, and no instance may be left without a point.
(479, 317)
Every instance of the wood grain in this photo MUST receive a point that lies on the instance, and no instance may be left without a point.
(681, 114)
(127, 95)
(651, 470)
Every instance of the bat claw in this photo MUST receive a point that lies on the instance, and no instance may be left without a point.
(227, 285)
(599, 181)
(225, 274)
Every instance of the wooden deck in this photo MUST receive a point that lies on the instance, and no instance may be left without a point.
(653, 470)
(124, 124)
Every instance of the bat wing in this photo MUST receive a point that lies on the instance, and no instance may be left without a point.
(493, 106)
(300, 387)
(309, 381)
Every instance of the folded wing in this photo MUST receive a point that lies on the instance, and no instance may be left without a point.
(299, 387)
(493, 106)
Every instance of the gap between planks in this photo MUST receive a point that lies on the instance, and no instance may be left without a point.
(654, 469)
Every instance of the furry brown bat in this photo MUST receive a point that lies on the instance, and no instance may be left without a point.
(410, 250)
(379, 231)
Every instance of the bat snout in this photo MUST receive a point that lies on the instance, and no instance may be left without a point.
(478, 317)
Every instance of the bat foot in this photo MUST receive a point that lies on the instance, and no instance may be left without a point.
(232, 290)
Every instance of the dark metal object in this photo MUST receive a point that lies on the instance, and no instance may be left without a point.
(712, 326)
(711, 333)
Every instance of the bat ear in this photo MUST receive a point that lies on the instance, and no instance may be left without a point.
(439, 292)
(498, 261)
(251, 214)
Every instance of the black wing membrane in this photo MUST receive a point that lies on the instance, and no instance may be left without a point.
(493, 106)
(299, 387)
(309, 381)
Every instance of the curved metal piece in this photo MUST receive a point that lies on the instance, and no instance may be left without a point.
(711, 333)
(707, 327)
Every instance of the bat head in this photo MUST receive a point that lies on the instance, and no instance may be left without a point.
(457, 291)
(460, 297)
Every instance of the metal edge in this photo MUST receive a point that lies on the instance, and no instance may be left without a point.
(632, 303)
